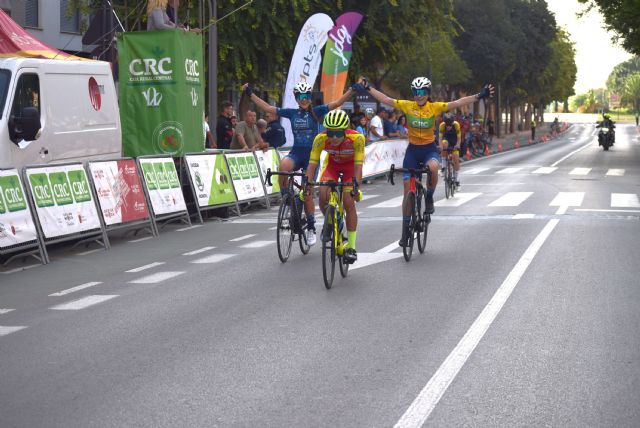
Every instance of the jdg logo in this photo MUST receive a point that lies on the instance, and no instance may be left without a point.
(61, 188)
(150, 176)
(172, 175)
(79, 186)
(12, 193)
(161, 176)
(41, 189)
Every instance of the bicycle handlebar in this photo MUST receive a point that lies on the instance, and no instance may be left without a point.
(334, 184)
(267, 177)
(414, 171)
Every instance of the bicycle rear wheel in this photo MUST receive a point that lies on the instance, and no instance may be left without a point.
(302, 237)
(450, 180)
(328, 248)
(284, 230)
(421, 233)
(407, 250)
(447, 176)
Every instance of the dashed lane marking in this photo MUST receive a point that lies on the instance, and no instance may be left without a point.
(74, 289)
(390, 203)
(242, 238)
(508, 171)
(5, 310)
(145, 267)
(215, 258)
(84, 253)
(83, 302)
(141, 239)
(457, 200)
(569, 199)
(20, 269)
(156, 277)
(511, 199)
(201, 250)
(195, 226)
(4, 330)
(523, 216)
(545, 170)
(580, 171)
(616, 172)
(257, 244)
(624, 200)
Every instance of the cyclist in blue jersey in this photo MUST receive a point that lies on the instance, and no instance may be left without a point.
(305, 125)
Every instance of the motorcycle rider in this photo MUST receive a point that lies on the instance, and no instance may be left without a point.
(606, 123)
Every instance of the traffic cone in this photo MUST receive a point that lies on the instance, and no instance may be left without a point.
(530, 141)
(499, 147)
(486, 150)
(468, 155)
(516, 144)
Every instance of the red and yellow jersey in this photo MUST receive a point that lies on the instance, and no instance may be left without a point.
(421, 120)
(349, 151)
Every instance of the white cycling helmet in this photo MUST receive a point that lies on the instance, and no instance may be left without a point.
(302, 87)
(421, 83)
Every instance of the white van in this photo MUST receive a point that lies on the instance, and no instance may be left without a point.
(56, 111)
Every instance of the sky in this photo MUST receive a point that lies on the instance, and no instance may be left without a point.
(596, 55)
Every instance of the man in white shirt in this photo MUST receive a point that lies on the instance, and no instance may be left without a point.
(376, 128)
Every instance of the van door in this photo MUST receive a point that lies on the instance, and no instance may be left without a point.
(26, 93)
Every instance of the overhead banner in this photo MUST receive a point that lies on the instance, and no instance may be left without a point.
(245, 176)
(16, 222)
(269, 160)
(119, 191)
(161, 92)
(379, 156)
(211, 179)
(337, 55)
(305, 61)
(163, 185)
(63, 200)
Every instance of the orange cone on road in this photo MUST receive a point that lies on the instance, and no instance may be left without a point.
(486, 150)
(468, 155)
(499, 147)
(530, 141)
(516, 145)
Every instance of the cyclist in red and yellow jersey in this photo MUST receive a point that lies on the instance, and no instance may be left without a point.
(421, 114)
(345, 154)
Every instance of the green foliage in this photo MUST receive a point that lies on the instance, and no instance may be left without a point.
(631, 92)
(557, 80)
(622, 19)
(620, 72)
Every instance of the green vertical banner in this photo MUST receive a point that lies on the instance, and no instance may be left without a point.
(161, 92)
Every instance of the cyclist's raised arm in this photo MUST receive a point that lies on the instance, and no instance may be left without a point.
(337, 103)
(486, 92)
(263, 105)
(383, 98)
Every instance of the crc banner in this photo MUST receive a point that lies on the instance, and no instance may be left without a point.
(337, 55)
(305, 61)
(163, 185)
(269, 159)
(119, 191)
(245, 175)
(16, 223)
(63, 200)
(161, 92)
(211, 179)
(379, 156)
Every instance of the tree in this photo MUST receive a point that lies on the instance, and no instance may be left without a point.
(631, 92)
(620, 72)
(622, 19)
(557, 80)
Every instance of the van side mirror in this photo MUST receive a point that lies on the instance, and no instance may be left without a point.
(26, 126)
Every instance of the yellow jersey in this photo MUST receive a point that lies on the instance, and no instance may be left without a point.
(421, 120)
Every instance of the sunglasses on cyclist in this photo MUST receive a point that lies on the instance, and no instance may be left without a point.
(422, 92)
(303, 96)
(335, 133)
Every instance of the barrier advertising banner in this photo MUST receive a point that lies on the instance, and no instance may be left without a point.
(163, 185)
(337, 55)
(269, 160)
(63, 200)
(211, 179)
(379, 156)
(119, 191)
(16, 223)
(245, 175)
(161, 92)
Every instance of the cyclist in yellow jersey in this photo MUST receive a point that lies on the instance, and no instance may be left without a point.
(450, 139)
(421, 114)
(345, 154)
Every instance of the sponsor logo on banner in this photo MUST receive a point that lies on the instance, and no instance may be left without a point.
(152, 97)
(61, 188)
(168, 137)
(194, 97)
(94, 94)
(42, 190)
(151, 69)
(191, 70)
(79, 186)
(12, 193)
(149, 176)
(166, 195)
(172, 175)
(161, 176)
(199, 182)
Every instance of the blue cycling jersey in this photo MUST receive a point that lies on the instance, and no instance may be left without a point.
(303, 125)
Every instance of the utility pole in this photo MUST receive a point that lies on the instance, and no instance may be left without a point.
(213, 62)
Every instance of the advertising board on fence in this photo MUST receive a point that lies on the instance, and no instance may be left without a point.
(163, 185)
(269, 160)
(379, 156)
(63, 200)
(119, 191)
(245, 175)
(16, 223)
(211, 179)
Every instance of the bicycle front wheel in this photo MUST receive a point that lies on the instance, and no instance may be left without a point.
(328, 248)
(423, 221)
(284, 230)
(407, 250)
(447, 180)
(302, 237)
(344, 267)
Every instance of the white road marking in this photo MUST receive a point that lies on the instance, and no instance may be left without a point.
(508, 171)
(4, 330)
(5, 310)
(141, 239)
(425, 402)
(624, 200)
(84, 253)
(545, 170)
(215, 258)
(388, 248)
(523, 216)
(571, 154)
(365, 197)
(511, 199)
(390, 203)
(457, 200)
(83, 303)
(368, 259)
(20, 269)
(156, 277)
(201, 250)
(616, 172)
(74, 289)
(570, 199)
(273, 228)
(257, 244)
(474, 170)
(490, 184)
(145, 267)
(195, 226)
(607, 211)
(562, 210)
(580, 171)
(241, 238)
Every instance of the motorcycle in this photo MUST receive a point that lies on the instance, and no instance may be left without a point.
(605, 138)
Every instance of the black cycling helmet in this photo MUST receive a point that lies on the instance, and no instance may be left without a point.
(448, 119)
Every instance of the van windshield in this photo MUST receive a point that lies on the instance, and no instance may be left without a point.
(5, 77)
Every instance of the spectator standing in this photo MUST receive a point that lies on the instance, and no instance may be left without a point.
(262, 128)
(361, 124)
(389, 124)
(209, 142)
(274, 135)
(533, 129)
(402, 126)
(224, 127)
(247, 137)
(157, 18)
(376, 127)
(637, 118)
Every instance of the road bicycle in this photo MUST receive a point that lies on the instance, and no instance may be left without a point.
(416, 199)
(292, 220)
(449, 182)
(480, 143)
(333, 237)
